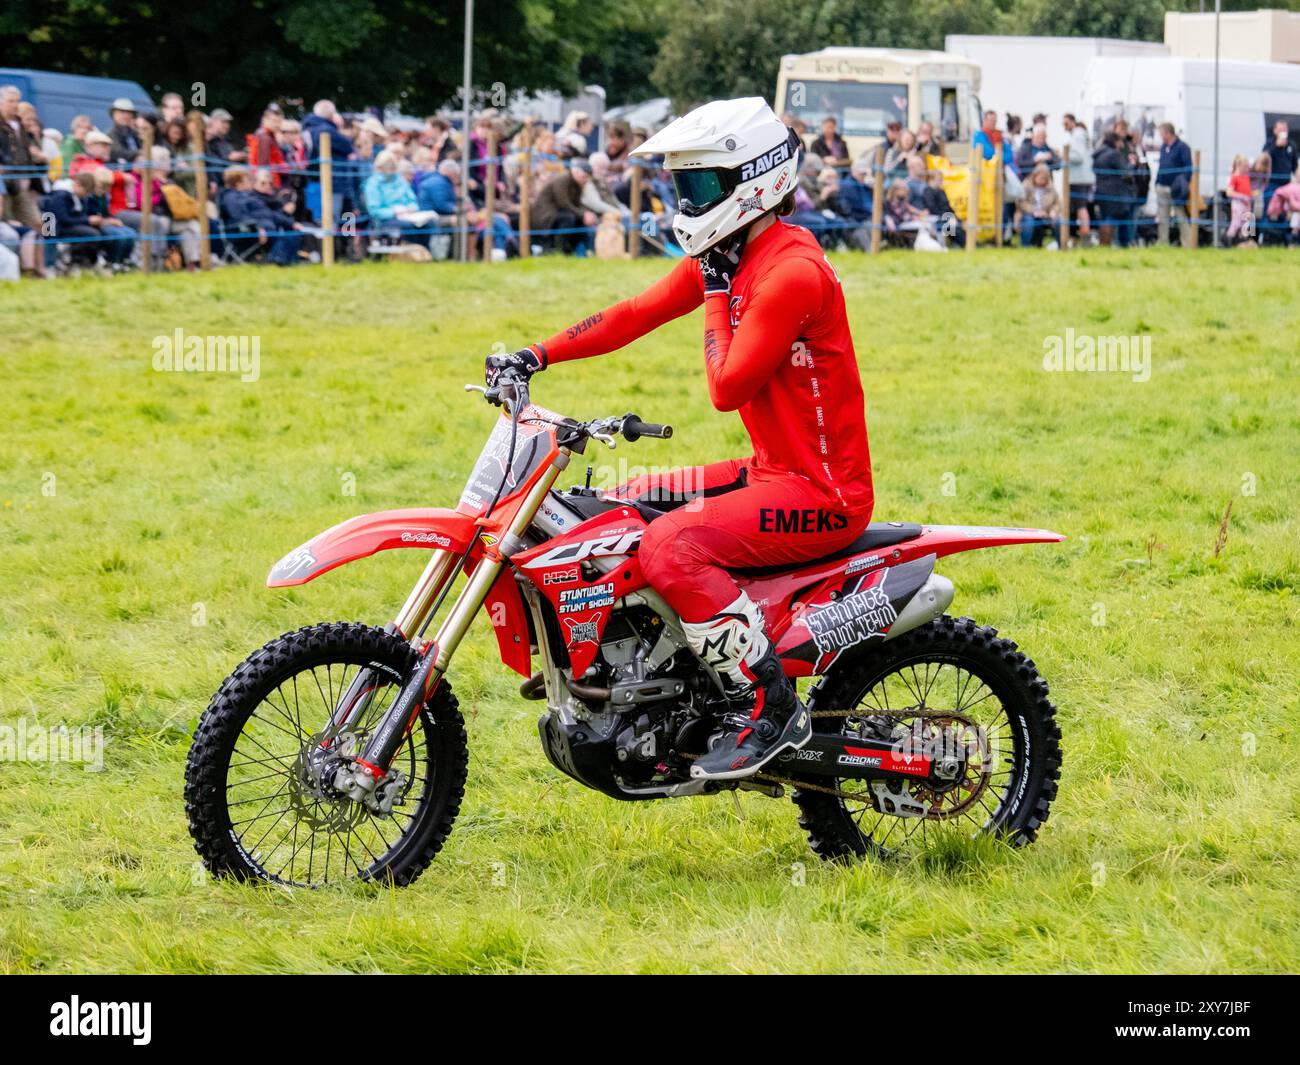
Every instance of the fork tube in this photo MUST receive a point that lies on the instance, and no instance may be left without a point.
(392, 730)
(415, 611)
(471, 599)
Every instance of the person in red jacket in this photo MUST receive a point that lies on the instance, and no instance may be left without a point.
(777, 350)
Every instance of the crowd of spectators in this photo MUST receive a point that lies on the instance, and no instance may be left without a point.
(75, 200)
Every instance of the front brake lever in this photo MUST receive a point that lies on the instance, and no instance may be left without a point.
(605, 439)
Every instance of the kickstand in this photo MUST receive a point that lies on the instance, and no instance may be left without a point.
(735, 797)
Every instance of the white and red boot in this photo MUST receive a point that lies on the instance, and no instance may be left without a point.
(765, 716)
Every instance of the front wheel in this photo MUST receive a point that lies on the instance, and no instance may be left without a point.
(951, 683)
(255, 810)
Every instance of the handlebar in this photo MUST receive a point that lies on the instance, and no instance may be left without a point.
(512, 391)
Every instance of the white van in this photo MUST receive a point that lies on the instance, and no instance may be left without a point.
(1150, 90)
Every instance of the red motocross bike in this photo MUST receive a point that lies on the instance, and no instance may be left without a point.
(337, 751)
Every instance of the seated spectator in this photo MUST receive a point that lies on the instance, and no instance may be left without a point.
(918, 187)
(79, 222)
(597, 196)
(830, 147)
(1040, 209)
(389, 198)
(17, 241)
(558, 206)
(108, 201)
(856, 191)
(1284, 207)
(899, 153)
(902, 219)
(438, 191)
(242, 208)
(1035, 151)
(180, 209)
(140, 183)
(938, 207)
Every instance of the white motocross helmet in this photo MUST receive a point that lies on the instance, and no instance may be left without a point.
(732, 161)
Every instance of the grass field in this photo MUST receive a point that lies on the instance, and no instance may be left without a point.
(141, 511)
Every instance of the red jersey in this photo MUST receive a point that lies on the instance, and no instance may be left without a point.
(778, 350)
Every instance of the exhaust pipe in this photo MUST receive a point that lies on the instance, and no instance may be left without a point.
(930, 600)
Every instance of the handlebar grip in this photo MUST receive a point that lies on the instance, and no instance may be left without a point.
(634, 428)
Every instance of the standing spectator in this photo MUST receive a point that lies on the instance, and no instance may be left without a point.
(1241, 197)
(123, 134)
(988, 141)
(176, 141)
(264, 144)
(74, 144)
(830, 146)
(173, 109)
(1283, 160)
(927, 143)
(296, 164)
(1078, 153)
(1173, 183)
(618, 142)
(580, 123)
(220, 144)
(1015, 129)
(1129, 145)
(20, 152)
(1114, 188)
(1036, 150)
(1040, 209)
(322, 123)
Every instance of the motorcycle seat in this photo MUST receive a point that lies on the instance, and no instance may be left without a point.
(876, 535)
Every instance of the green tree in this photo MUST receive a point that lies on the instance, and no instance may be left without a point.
(357, 52)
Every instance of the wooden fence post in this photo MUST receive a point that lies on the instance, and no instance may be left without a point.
(490, 194)
(198, 148)
(877, 196)
(999, 205)
(1064, 238)
(525, 197)
(973, 197)
(634, 229)
(1193, 207)
(326, 154)
(146, 202)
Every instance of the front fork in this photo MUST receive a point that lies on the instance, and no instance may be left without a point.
(371, 766)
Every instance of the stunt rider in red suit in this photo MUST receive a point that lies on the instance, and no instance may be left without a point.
(777, 349)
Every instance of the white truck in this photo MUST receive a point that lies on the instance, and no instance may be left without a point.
(1149, 90)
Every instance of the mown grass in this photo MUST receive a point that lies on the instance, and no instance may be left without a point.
(141, 511)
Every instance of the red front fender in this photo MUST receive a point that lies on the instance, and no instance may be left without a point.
(429, 528)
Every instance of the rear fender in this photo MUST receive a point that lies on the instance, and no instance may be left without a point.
(427, 528)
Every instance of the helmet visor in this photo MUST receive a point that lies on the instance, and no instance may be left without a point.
(699, 191)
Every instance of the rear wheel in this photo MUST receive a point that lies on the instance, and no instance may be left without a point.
(254, 809)
(950, 682)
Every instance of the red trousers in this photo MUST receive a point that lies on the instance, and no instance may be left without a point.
(719, 516)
